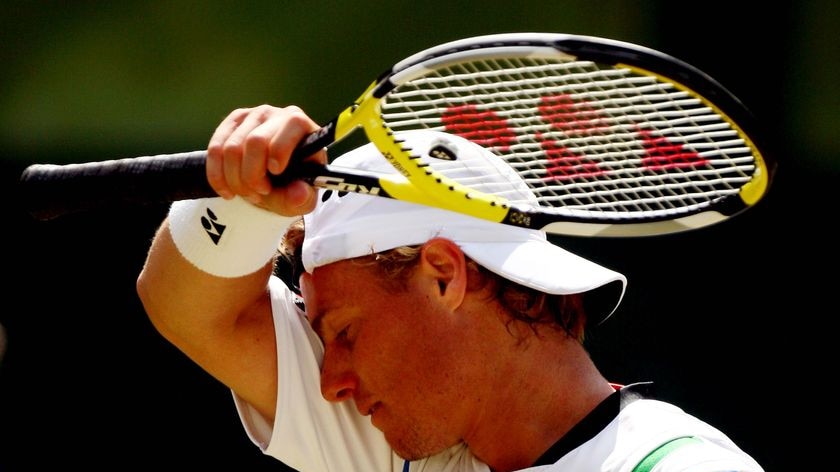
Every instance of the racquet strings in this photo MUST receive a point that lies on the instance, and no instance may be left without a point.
(586, 138)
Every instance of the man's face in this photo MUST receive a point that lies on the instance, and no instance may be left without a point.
(406, 357)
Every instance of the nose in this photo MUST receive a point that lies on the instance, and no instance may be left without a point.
(338, 381)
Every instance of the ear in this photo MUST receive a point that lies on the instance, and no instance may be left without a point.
(444, 264)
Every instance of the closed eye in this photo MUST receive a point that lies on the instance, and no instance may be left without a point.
(343, 334)
(346, 336)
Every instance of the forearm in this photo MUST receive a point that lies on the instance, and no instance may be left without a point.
(188, 305)
(209, 295)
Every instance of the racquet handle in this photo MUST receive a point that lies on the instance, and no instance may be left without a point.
(50, 190)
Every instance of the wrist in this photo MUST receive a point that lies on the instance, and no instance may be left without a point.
(225, 238)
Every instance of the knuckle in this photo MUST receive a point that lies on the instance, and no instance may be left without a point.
(256, 140)
(238, 114)
(264, 112)
(294, 110)
(232, 149)
(297, 116)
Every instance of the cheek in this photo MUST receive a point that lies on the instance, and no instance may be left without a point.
(408, 342)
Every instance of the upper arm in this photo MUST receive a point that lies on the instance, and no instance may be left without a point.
(223, 324)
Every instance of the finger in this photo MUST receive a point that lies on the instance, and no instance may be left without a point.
(234, 151)
(296, 198)
(279, 133)
(254, 172)
(231, 167)
(285, 140)
(215, 151)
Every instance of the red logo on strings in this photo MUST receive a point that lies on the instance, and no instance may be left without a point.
(573, 119)
(481, 127)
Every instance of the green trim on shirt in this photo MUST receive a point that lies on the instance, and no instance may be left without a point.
(647, 464)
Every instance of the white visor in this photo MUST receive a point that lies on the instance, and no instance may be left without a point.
(348, 225)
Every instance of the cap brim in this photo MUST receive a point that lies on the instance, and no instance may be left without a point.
(546, 267)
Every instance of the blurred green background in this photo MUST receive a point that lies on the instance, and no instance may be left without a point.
(710, 316)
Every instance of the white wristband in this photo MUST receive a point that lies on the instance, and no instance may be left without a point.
(226, 238)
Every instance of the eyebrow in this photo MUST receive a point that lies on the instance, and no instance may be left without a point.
(323, 323)
(328, 322)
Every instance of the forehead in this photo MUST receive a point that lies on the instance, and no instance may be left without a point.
(337, 285)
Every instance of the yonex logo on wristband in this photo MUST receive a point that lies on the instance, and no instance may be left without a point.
(212, 226)
(251, 234)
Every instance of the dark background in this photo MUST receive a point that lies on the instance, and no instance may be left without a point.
(732, 322)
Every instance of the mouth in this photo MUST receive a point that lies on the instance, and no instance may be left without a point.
(368, 410)
(375, 420)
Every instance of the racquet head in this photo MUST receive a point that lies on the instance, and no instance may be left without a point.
(614, 139)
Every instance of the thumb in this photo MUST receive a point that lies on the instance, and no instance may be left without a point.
(296, 198)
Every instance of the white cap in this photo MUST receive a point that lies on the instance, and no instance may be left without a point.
(347, 225)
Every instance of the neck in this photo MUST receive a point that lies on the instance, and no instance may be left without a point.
(542, 393)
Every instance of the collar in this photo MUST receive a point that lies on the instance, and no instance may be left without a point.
(596, 420)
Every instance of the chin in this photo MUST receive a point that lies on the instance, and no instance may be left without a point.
(411, 448)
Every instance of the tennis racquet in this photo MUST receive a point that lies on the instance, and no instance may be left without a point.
(614, 139)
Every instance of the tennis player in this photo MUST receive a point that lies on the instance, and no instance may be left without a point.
(409, 338)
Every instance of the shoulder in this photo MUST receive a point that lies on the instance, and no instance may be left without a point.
(646, 425)
(701, 454)
(641, 428)
(652, 422)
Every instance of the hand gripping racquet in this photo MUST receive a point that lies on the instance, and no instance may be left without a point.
(614, 139)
